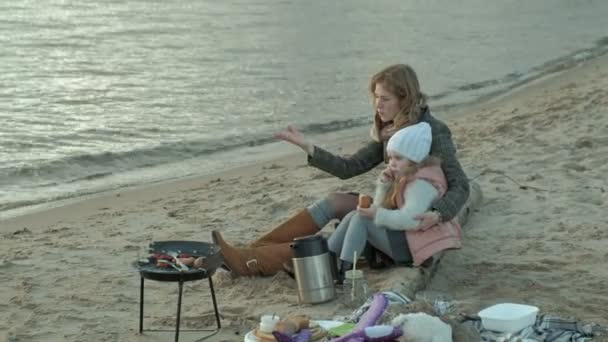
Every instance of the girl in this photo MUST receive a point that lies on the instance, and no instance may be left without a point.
(406, 188)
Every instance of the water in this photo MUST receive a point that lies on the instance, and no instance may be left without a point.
(101, 94)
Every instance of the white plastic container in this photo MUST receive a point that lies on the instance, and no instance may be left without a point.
(268, 322)
(508, 317)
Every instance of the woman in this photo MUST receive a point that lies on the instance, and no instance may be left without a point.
(398, 102)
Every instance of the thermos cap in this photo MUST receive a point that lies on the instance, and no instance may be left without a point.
(308, 246)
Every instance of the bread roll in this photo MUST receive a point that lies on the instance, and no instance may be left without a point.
(264, 337)
(364, 201)
(287, 327)
(303, 321)
(293, 324)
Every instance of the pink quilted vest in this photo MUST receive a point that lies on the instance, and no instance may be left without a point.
(442, 236)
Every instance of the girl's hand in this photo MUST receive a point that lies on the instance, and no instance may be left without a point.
(427, 220)
(293, 136)
(369, 213)
(386, 176)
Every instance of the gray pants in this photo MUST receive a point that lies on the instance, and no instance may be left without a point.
(355, 231)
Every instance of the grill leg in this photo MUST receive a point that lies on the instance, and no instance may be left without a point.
(217, 314)
(179, 310)
(141, 306)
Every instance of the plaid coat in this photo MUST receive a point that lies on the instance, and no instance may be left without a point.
(374, 153)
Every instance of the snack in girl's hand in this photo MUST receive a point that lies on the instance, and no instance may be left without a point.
(365, 201)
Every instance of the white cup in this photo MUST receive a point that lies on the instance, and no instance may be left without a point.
(268, 322)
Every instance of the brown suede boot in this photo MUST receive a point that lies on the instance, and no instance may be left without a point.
(258, 261)
(300, 224)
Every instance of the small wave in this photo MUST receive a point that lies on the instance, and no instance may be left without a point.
(97, 175)
(11, 22)
(602, 41)
(144, 32)
(4, 206)
(336, 125)
(53, 45)
(19, 204)
(75, 102)
(94, 166)
(516, 79)
(95, 72)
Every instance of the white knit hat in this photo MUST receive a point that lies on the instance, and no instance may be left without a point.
(412, 142)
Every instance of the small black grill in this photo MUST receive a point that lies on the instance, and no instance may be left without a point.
(149, 270)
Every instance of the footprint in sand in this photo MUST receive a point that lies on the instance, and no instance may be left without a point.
(320, 175)
(534, 177)
(277, 209)
(273, 167)
(497, 180)
(504, 128)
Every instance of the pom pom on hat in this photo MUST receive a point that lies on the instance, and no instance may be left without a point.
(412, 142)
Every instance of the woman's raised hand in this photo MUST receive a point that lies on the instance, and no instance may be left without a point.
(293, 136)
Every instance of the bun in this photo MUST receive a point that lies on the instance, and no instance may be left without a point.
(287, 327)
(292, 324)
(364, 201)
(264, 337)
(301, 321)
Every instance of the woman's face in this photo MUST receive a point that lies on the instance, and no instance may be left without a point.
(386, 103)
(398, 164)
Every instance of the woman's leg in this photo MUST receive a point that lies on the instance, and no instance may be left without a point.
(336, 239)
(310, 220)
(257, 261)
(343, 203)
(334, 206)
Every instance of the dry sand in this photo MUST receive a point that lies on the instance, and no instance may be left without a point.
(539, 152)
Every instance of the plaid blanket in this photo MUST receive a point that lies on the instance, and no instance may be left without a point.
(548, 328)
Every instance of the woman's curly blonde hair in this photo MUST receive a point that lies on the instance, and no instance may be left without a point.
(401, 80)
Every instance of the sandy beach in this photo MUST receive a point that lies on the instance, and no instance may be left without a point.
(539, 152)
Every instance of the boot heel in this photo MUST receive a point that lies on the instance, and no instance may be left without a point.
(288, 268)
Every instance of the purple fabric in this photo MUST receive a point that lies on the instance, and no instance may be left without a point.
(369, 318)
(373, 314)
(361, 335)
(302, 336)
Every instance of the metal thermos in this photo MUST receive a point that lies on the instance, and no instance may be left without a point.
(312, 266)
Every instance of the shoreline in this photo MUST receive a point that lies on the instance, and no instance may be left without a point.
(445, 112)
(155, 189)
